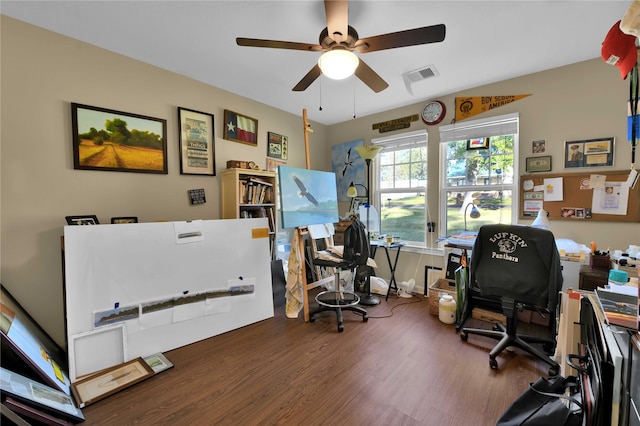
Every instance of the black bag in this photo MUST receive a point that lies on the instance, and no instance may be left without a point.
(356, 243)
(554, 401)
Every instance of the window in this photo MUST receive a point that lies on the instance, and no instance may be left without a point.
(401, 186)
(478, 167)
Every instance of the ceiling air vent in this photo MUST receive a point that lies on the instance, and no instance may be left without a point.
(419, 75)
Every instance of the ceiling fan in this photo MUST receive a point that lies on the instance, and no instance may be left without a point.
(341, 39)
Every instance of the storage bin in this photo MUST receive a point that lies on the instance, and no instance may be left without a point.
(437, 290)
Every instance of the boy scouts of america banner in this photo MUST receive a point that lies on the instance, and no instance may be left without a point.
(474, 105)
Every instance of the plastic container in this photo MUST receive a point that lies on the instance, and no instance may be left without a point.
(447, 309)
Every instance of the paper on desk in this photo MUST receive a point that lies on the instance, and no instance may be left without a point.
(620, 289)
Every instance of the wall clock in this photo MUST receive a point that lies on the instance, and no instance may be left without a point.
(433, 112)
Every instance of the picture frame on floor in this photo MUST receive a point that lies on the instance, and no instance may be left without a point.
(109, 381)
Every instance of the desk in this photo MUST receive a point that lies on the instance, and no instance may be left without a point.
(374, 244)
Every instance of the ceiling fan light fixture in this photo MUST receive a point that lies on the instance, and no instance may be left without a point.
(338, 64)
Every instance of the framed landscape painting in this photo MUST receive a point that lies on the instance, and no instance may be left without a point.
(109, 140)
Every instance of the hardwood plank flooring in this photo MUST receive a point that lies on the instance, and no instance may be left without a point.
(402, 367)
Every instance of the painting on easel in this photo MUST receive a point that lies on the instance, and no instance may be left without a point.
(307, 197)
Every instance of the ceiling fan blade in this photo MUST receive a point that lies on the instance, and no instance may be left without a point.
(308, 79)
(274, 44)
(337, 13)
(416, 36)
(370, 77)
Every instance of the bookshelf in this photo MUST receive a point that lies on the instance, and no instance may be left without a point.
(249, 193)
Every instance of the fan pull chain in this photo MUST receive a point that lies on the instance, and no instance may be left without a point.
(320, 109)
(354, 97)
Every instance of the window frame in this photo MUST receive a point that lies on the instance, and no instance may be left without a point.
(476, 129)
(397, 141)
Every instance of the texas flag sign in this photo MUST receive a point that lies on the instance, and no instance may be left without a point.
(240, 128)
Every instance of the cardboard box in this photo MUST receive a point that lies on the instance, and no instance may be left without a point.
(488, 316)
(437, 290)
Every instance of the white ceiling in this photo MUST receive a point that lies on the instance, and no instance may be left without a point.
(486, 41)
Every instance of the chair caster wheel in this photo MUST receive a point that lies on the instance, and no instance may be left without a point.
(340, 328)
(493, 364)
(464, 336)
(365, 319)
(553, 371)
(312, 319)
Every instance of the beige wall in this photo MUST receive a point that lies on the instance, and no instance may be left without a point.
(582, 101)
(43, 72)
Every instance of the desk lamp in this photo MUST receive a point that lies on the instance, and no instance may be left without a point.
(475, 213)
(368, 153)
(542, 221)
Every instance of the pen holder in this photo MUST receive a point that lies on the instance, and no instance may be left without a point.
(600, 262)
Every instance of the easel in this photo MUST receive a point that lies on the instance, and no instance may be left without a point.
(303, 231)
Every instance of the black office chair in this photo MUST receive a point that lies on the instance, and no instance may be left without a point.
(521, 266)
(355, 253)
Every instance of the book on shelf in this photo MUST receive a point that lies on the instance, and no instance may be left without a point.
(255, 191)
(260, 181)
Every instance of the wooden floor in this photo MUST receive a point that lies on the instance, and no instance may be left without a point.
(402, 367)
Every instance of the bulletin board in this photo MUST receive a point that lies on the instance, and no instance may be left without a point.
(136, 289)
(577, 199)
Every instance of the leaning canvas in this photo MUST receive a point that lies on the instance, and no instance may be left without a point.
(307, 197)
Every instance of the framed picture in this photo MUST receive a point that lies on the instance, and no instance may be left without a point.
(109, 140)
(272, 164)
(356, 202)
(84, 219)
(158, 362)
(109, 381)
(240, 128)
(197, 143)
(277, 146)
(482, 143)
(538, 147)
(589, 153)
(124, 219)
(23, 337)
(36, 399)
(538, 164)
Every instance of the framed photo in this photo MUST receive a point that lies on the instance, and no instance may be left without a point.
(158, 362)
(109, 381)
(109, 140)
(482, 143)
(240, 128)
(197, 143)
(538, 147)
(538, 164)
(124, 219)
(356, 202)
(84, 219)
(36, 399)
(272, 164)
(277, 146)
(589, 153)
